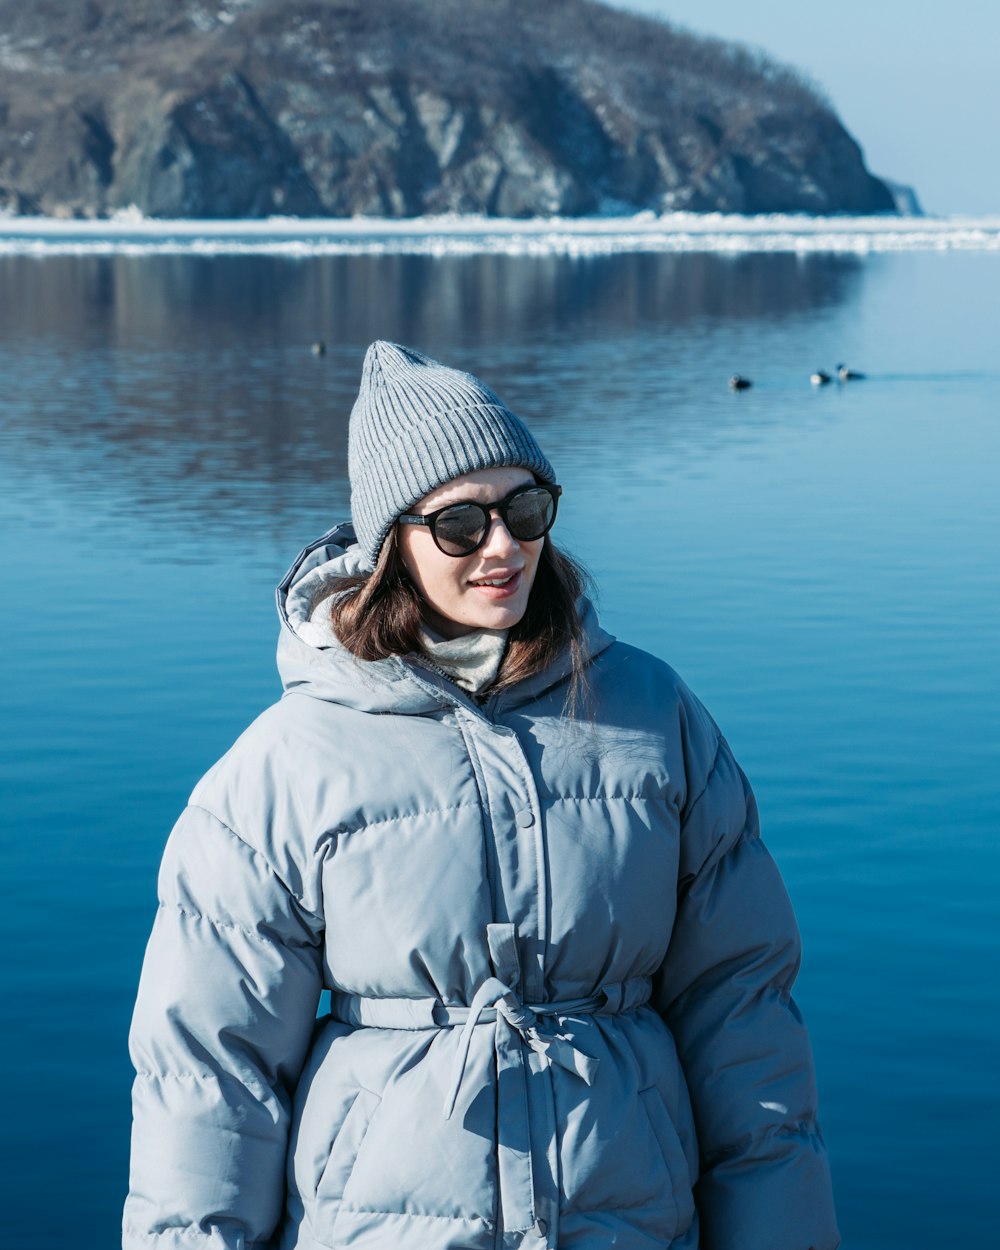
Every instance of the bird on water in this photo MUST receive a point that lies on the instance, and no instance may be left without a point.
(848, 375)
(739, 383)
(820, 378)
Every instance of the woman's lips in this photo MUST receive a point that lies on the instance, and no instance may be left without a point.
(501, 585)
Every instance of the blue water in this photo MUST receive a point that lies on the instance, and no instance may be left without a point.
(822, 567)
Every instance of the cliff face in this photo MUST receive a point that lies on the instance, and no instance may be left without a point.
(245, 108)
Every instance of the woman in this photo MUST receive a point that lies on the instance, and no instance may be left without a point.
(523, 859)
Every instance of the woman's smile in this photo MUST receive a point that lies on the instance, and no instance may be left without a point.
(498, 585)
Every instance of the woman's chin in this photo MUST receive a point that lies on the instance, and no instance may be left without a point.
(475, 617)
(500, 618)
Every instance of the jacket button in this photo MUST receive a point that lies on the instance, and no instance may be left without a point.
(525, 819)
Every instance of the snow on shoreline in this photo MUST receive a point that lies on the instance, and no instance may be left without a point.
(129, 233)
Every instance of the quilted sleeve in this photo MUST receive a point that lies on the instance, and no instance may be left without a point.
(225, 1011)
(724, 991)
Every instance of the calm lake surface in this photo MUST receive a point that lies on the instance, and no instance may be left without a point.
(821, 565)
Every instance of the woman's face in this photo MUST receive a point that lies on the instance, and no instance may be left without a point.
(488, 589)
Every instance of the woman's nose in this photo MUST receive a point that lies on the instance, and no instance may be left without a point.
(499, 540)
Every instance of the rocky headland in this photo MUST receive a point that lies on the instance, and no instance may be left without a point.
(399, 108)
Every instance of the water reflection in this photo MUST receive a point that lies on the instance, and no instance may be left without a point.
(127, 300)
(186, 383)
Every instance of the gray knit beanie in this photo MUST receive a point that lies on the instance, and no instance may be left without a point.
(416, 425)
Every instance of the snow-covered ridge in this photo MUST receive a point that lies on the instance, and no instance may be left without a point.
(131, 234)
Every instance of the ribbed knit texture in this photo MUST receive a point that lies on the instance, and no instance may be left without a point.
(417, 424)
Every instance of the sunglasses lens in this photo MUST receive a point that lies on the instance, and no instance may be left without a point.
(530, 514)
(460, 530)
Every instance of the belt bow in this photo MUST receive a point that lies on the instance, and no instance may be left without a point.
(518, 1026)
(516, 1023)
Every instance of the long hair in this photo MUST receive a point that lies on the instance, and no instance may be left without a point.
(378, 614)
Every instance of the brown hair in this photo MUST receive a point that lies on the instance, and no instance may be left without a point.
(378, 614)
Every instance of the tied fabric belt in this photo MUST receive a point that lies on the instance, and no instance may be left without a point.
(517, 1025)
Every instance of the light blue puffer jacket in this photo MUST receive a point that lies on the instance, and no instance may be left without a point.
(561, 962)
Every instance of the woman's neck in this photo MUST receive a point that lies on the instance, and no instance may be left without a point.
(472, 660)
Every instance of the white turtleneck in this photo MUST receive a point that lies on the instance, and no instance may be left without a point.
(472, 661)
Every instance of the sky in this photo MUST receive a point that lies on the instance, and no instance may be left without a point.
(916, 82)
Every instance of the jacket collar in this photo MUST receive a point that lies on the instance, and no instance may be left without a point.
(312, 661)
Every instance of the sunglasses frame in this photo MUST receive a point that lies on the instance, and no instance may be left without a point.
(499, 506)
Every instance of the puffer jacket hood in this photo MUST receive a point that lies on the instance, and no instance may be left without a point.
(312, 661)
(559, 962)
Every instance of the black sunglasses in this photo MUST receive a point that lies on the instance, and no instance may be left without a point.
(459, 529)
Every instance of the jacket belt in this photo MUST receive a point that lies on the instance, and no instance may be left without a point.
(516, 1025)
